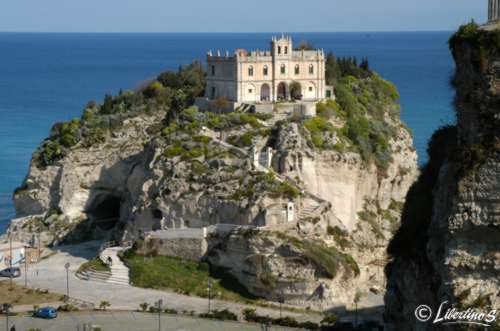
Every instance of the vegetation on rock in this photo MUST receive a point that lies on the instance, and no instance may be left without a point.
(183, 276)
(172, 90)
(329, 259)
(365, 102)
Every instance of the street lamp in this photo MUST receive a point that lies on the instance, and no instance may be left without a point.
(10, 259)
(159, 304)
(281, 300)
(209, 289)
(66, 266)
(25, 269)
(5, 308)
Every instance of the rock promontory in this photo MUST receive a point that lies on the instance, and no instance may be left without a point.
(307, 202)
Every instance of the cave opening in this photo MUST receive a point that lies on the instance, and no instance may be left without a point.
(106, 214)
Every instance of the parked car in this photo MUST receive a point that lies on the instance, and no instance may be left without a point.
(46, 312)
(13, 272)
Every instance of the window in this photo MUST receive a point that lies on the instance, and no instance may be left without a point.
(279, 49)
(310, 88)
(265, 70)
(250, 71)
(311, 69)
(250, 90)
(297, 69)
(286, 49)
(283, 69)
(213, 70)
(213, 92)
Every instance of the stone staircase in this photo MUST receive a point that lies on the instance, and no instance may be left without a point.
(119, 273)
(313, 205)
(311, 209)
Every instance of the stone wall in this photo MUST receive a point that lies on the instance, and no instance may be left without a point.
(188, 248)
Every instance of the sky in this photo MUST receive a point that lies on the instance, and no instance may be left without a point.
(237, 15)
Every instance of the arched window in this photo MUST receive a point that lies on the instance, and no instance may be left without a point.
(286, 49)
(279, 49)
(311, 69)
(283, 69)
(265, 71)
(250, 71)
(297, 69)
(213, 70)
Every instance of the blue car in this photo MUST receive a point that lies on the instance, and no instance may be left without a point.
(46, 312)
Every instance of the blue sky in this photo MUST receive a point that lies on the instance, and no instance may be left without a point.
(236, 15)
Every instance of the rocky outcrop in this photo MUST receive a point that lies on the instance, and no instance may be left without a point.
(312, 218)
(451, 251)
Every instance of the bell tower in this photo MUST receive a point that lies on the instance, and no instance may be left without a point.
(281, 47)
(493, 10)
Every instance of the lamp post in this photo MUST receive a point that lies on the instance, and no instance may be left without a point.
(25, 269)
(10, 259)
(39, 248)
(209, 289)
(159, 304)
(66, 266)
(281, 300)
(6, 308)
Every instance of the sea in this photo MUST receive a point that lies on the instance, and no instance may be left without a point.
(49, 77)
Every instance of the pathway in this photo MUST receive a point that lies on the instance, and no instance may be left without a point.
(50, 274)
(119, 271)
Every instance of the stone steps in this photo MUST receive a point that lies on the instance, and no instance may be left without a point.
(119, 271)
(309, 210)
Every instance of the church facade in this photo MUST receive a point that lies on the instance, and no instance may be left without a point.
(279, 74)
(493, 11)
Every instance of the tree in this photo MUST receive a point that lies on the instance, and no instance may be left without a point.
(104, 304)
(332, 69)
(178, 103)
(364, 64)
(221, 103)
(305, 46)
(144, 306)
(107, 106)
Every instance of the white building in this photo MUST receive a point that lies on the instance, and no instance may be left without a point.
(493, 11)
(16, 252)
(279, 74)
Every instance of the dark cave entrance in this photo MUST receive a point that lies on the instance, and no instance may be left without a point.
(106, 214)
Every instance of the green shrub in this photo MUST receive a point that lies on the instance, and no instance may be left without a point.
(318, 125)
(67, 308)
(340, 236)
(326, 258)
(173, 151)
(371, 218)
(222, 315)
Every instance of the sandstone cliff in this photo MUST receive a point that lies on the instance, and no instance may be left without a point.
(448, 246)
(316, 198)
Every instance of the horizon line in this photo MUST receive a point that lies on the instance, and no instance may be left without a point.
(216, 32)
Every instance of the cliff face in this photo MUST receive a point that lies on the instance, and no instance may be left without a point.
(319, 197)
(451, 251)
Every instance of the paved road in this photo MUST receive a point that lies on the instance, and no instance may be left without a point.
(128, 321)
(50, 274)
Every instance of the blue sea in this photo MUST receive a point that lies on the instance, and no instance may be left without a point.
(45, 78)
